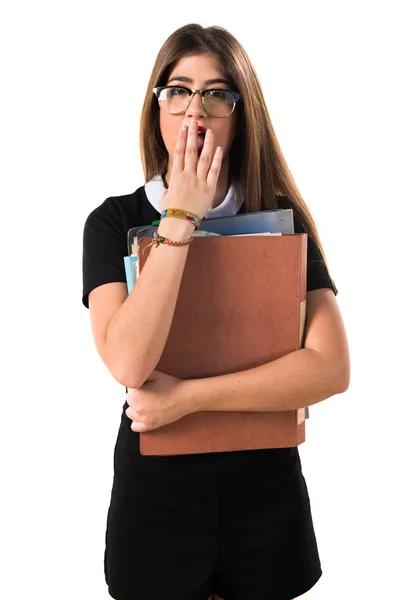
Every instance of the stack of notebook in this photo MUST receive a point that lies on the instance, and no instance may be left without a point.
(241, 304)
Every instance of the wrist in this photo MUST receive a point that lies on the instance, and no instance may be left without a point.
(177, 230)
(193, 393)
(179, 213)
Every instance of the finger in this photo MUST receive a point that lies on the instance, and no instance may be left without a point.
(206, 155)
(130, 413)
(192, 153)
(215, 168)
(133, 416)
(130, 396)
(138, 427)
(178, 161)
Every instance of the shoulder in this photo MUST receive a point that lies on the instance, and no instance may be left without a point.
(106, 228)
(128, 210)
(105, 238)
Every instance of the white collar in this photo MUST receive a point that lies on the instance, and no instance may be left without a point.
(229, 206)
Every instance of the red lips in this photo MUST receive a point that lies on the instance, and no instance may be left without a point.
(201, 129)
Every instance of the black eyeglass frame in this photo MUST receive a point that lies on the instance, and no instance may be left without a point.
(236, 96)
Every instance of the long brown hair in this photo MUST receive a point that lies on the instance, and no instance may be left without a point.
(257, 165)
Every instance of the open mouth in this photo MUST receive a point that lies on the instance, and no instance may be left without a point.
(200, 140)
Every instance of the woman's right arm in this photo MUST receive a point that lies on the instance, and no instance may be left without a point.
(130, 332)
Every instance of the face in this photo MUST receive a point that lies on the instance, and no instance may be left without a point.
(198, 72)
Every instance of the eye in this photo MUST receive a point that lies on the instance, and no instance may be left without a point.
(218, 94)
(177, 91)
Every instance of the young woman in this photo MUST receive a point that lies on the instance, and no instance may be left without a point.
(236, 524)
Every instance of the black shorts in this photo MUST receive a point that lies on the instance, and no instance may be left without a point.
(238, 524)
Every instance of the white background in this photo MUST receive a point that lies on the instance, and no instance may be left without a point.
(73, 77)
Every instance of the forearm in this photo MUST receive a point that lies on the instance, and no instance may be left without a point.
(296, 380)
(138, 332)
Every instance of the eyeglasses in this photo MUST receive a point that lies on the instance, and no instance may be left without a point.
(175, 100)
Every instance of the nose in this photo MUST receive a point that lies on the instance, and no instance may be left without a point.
(196, 109)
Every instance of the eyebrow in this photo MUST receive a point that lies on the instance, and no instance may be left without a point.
(188, 80)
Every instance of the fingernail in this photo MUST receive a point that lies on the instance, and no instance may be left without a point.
(193, 124)
(184, 128)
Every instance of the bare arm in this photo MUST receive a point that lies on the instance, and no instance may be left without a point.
(318, 371)
(130, 332)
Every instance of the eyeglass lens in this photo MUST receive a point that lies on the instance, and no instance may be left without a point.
(216, 102)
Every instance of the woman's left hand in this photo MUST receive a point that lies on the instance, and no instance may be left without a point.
(162, 399)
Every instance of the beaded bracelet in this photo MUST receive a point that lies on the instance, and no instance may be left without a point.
(182, 214)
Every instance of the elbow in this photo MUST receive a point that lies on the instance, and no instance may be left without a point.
(129, 378)
(341, 377)
(344, 381)
(334, 374)
(130, 372)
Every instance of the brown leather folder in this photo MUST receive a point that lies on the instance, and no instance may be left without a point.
(241, 304)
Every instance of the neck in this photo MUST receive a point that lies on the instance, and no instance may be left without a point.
(222, 185)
